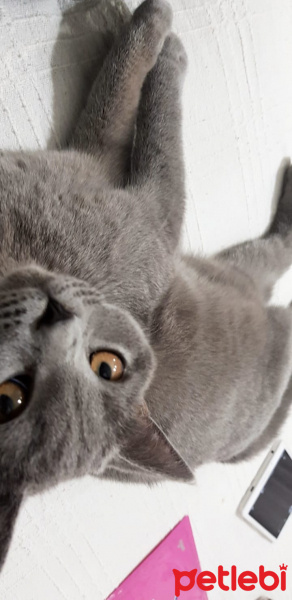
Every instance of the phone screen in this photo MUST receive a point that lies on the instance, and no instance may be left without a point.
(274, 504)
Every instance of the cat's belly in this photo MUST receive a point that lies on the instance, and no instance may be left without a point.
(223, 366)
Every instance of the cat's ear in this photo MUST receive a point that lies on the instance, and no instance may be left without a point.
(9, 507)
(147, 446)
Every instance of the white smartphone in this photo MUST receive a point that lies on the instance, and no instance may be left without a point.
(267, 503)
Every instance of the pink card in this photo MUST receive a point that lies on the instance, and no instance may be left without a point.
(153, 579)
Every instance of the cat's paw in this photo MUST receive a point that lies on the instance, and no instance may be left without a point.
(156, 12)
(153, 20)
(173, 49)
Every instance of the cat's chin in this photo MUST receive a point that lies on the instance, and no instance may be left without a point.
(9, 266)
(16, 274)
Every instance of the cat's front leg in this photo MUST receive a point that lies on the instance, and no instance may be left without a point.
(106, 125)
(157, 162)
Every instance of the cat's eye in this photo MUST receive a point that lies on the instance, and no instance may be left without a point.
(13, 399)
(107, 365)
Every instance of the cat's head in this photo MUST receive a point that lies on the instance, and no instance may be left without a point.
(73, 373)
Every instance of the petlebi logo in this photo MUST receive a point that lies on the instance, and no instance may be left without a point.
(230, 580)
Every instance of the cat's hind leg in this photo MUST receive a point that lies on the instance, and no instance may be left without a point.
(157, 161)
(106, 125)
(267, 258)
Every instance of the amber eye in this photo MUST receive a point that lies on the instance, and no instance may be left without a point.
(13, 399)
(107, 365)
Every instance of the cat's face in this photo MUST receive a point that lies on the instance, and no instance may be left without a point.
(73, 369)
(73, 372)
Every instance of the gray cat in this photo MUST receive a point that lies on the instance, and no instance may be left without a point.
(121, 357)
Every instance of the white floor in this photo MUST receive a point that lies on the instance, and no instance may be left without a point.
(81, 539)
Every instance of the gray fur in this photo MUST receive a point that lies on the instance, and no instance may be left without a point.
(95, 228)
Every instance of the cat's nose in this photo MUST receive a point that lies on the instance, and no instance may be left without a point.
(54, 313)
